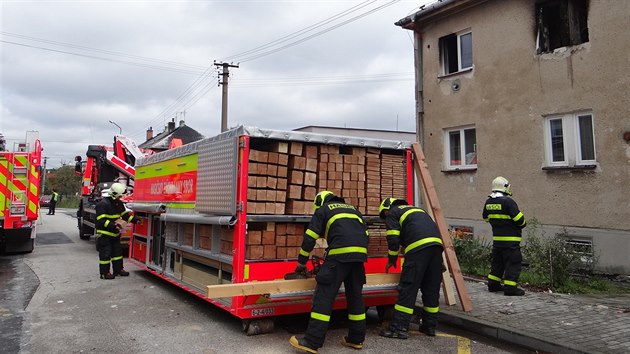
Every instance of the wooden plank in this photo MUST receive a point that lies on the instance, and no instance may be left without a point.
(447, 281)
(285, 286)
(421, 168)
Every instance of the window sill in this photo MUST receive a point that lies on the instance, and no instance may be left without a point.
(570, 168)
(446, 76)
(460, 169)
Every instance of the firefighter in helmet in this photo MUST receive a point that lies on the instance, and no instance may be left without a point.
(507, 221)
(111, 218)
(342, 225)
(413, 230)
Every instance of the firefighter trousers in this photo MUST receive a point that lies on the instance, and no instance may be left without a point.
(329, 278)
(422, 270)
(109, 251)
(506, 266)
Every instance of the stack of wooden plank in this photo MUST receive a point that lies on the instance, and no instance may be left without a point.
(267, 181)
(284, 178)
(373, 181)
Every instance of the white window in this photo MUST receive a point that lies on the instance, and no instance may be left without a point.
(460, 148)
(569, 140)
(456, 52)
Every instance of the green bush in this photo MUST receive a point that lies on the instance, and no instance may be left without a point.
(551, 259)
(474, 256)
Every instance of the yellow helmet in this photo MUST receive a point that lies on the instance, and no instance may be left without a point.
(321, 198)
(385, 205)
(501, 184)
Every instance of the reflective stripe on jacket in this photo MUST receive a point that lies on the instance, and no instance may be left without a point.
(506, 219)
(108, 210)
(411, 228)
(343, 228)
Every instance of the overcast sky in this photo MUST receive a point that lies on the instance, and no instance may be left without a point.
(71, 67)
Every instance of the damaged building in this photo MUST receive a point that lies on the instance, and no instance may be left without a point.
(536, 91)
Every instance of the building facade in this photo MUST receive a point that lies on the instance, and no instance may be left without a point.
(537, 92)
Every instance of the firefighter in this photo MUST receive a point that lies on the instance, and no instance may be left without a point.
(53, 202)
(507, 221)
(111, 217)
(415, 231)
(342, 225)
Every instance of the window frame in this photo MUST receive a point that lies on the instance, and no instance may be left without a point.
(448, 166)
(444, 57)
(571, 138)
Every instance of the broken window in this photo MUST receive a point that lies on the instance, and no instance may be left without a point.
(456, 52)
(561, 23)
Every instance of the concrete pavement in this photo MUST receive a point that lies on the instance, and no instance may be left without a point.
(548, 322)
(71, 305)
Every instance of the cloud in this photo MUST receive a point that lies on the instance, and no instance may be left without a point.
(69, 70)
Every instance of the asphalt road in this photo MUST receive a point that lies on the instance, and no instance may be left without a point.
(52, 301)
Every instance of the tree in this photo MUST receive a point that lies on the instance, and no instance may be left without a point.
(64, 180)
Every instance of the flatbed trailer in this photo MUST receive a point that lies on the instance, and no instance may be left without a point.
(233, 209)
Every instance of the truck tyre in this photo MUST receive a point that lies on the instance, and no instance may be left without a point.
(259, 326)
(86, 232)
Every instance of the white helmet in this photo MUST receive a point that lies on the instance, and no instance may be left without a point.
(117, 190)
(501, 184)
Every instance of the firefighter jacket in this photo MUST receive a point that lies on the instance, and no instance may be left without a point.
(506, 220)
(108, 210)
(342, 226)
(411, 228)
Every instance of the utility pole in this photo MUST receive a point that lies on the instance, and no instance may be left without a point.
(43, 173)
(224, 102)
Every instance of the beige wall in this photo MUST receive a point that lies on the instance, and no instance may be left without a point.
(506, 97)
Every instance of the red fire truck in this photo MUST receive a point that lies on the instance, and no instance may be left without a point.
(103, 166)
(233, 209)
(20, 173)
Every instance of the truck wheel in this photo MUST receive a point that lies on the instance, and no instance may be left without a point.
(259, 326)
(86, 232)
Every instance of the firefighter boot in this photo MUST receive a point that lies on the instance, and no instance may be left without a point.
(346, 343)
(494, 286)
(123, 273)
(429, 331)
(392, 333)
(301, 344)
(513, 291)
(107, 276)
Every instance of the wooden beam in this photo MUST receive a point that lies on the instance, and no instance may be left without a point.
(286, 286)
(422, 170)
(447, 282)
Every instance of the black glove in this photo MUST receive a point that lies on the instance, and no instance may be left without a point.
(389, 265)
(300, 268)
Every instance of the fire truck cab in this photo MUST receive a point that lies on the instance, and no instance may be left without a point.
(103, 166)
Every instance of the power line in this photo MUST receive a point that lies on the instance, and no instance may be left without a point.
(288, 37)
(298, 33)
(317, 34)
(109, 52)
(183, 71)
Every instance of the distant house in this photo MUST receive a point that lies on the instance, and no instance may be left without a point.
(537, 91)
(171, 137)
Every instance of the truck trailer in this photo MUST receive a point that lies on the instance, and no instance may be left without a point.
(233, 208)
